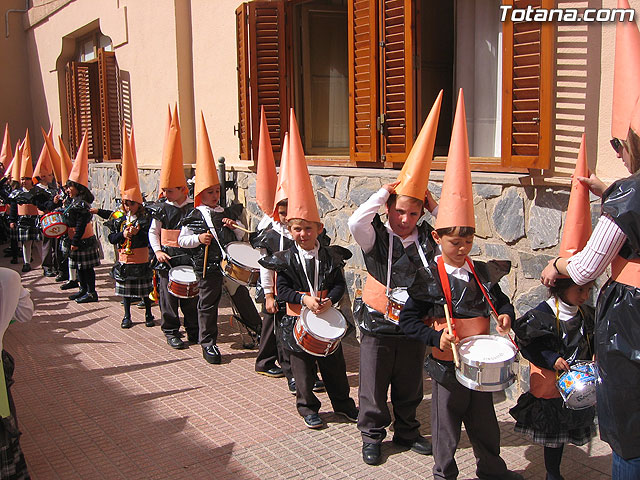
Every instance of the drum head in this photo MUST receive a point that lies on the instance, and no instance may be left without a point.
(55, 230)
(400, 295)
(486, 349)
(330, 324)
(183, 274)
(244, 254)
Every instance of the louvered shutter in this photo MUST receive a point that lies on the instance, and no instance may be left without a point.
(527, 89)
(244, 126)
(396, 79)
(110, 107)
(84, 107)
(363, 81)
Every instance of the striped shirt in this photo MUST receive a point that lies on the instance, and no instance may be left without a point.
(605, 243)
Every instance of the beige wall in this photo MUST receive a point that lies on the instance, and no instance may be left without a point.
(15, 102)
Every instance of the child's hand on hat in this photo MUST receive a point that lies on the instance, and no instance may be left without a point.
(391, 187)
(504, 324)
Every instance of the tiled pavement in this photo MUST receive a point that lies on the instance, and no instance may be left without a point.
(96, 401)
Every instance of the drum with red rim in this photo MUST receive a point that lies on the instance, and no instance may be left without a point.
(183, 282)
(320, 334)
(53, 225)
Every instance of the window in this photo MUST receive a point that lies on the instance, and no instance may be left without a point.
(94, 98)
(370, 99)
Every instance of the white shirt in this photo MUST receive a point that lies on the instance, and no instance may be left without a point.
(461, 273)
(15, 301)
(268, 277)
(188, 239)
(564, 311)
(156, 226)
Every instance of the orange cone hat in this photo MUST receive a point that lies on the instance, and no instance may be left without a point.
(172, 170)
(15, 163)
(302, 200)
(455, 208)
(54, 156)
(414, 176)
(65, 162)
(26, 166)
(44, 166)
(132, 144)
(281, 189)
(5, 153)
(626, 75)
(206, 174)
(577, 229)
(129, 182)
(80, 171)
(267, 178)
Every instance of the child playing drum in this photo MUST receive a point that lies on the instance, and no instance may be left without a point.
(465, 289)
(554, 335)
(130, 232)
(310, 275)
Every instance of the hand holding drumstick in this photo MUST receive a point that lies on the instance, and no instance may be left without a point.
(233, 225)
(450, 336)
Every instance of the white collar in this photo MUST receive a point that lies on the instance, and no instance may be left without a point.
(461, 273)
(408, 240)
(563, 310)
(216, 209)
(306, 254)
(282, 229)
(180, 205)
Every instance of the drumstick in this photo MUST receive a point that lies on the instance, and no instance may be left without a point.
(450, 327)
(206, 255)
(242, 228)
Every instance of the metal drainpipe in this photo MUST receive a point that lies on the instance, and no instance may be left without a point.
(222, 178)
(13, 10)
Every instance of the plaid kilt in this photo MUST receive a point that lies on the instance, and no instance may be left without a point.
(13, 465)
(13, 234)
(578, 436)
(86, 257)
(135, 287)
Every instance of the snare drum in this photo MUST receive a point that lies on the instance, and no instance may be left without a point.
(320, 334)
(241, 264)
(486, 363)
(396, 300)
(53, 225)
(183, 282)
(578, 386)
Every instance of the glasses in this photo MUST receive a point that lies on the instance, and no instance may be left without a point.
(617, 145)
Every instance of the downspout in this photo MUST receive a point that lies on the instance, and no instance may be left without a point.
(6, 16)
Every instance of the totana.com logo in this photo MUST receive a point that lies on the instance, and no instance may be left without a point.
(530, 14)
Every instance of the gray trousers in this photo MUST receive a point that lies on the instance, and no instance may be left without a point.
(385, 362)
(169, 310)
(452, 405)
(208, 301)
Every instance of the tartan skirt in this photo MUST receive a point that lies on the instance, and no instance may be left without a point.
(29, 233)
(87, 256)
(134, 287)
(13, 234)
(13, 465)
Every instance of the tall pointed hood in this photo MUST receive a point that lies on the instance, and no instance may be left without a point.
(44, 166)
(281, 189)
(266, 177)
(26, 165)
(16, 163)
(414, 176)
(132, 144)
(302, 200)
(80, 171)
(626, 74)
(129, 181)
(172, 170)
(5, 154)
(54, 157)
(206, 173)
(65, 162)
(577, 223)
(455, 208)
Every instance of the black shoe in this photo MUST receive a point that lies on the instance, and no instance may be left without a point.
(77, 295)
(313, 420)
(149, 321)
(26, 267)
(371, 453)
(141, 304)
(126, 323)
(318, 386)
(176, 342)
(49, 273)
(69, 285)
(14, 261)
(292, 386)
(419, 445)
(350, 414)
(62, 277)
(88, 298)
(508, 475)
(273, 372)
(211, 354)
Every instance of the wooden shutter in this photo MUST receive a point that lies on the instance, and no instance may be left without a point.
(527, 89)
(244, 125)
(363, 80)
(83, 107)
(396, 79)
(262, 68)
(110, 107)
